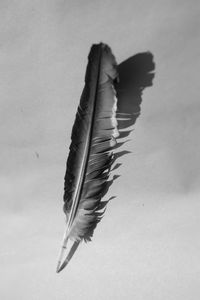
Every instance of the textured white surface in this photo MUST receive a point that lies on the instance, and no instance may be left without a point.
(147, 246)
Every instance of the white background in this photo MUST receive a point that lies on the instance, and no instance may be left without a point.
(148, 245)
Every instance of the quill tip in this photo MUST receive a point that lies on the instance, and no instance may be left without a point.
(61, 257)
(58, 268)
(63, 262)
(61, 267)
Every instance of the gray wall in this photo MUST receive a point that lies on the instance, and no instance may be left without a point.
(147, 245)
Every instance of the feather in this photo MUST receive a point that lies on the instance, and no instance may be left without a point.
(91, 155)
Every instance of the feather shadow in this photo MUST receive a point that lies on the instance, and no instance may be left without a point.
(135, 74)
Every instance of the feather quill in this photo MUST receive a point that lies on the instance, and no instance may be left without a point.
(91, 155)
